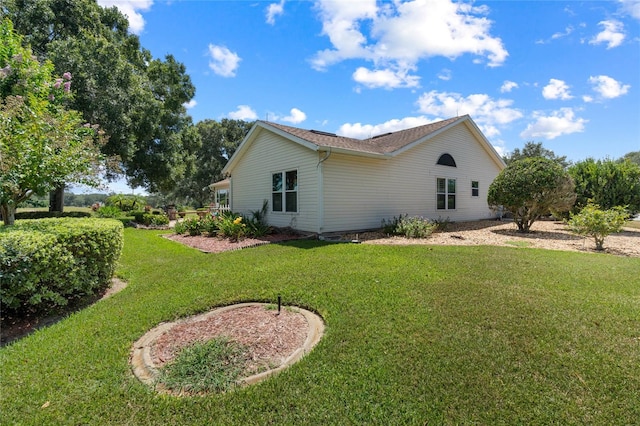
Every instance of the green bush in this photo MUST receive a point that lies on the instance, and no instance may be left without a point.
(111, 212)
(415, 227)
(389, 227)
(126, 203)
(155, 218)
(409, 227)
(180, 228)
(191, 226)
(198, 226)
(45, 262)
(607, 183)
(45, 214)
(232, 227)
(597, 223)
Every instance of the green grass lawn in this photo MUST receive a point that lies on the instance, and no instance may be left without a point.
(414, 335)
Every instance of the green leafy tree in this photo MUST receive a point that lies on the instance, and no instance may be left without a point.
(137, 100)
(534, 149)
(530, 188)
(607, 183)
(42, 144)
(634, 157)
(597, 223)
(219, 140)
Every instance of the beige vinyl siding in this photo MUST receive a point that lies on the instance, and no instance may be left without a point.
(251, 180)
(355, 192)
(359, 192)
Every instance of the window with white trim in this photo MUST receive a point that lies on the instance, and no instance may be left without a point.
(475, 188)
(445, 194)
(284, 191)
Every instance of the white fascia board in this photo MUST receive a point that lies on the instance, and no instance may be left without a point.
(254, 132)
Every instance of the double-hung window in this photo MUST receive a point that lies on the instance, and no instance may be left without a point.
(284, 191)
(475, 188)
(446, 194)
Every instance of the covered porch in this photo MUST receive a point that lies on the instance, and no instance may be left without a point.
(222, 195)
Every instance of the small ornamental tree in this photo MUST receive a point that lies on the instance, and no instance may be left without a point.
(530, 188)
(42, 144)
(597, 223)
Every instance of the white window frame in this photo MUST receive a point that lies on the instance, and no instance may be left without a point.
(476, 188)
(284, 191)
(446, 193)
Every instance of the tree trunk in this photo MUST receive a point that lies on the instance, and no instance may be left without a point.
(56, 199)
(8, 212)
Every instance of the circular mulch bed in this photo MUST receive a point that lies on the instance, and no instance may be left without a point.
(274, 340)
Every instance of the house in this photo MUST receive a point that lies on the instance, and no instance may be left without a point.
(320, 182)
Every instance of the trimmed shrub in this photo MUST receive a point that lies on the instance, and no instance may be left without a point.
(45, 215)
(154, 218)
(530, 188)
(44, 263)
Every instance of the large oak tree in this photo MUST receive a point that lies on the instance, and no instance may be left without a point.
(137, 100)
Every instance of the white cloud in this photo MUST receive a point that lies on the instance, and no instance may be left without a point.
(612, 34)
(631, 7)
(608, 87)
(223, 61)
(508, 86)
(130, 8)
(402, 33)
(445, 74)
(561, 122)
(566, 32)
(488, 113)
(192, 103)
(587, 98)
(295, 116)
(385, 78)
(273, 10)
(556, 89)
(500, 148)
(364, 131)
(244, 112)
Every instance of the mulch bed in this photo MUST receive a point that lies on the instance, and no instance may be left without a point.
(218, 244)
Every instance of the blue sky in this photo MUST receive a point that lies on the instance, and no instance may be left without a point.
(564, 73)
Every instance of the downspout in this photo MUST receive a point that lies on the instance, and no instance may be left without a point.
(230, 194)
(321, 191)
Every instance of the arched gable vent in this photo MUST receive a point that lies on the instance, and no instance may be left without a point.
(446, 160)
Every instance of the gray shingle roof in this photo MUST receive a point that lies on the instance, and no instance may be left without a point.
(381, 144)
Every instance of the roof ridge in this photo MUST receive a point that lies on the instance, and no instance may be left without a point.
(380, 144)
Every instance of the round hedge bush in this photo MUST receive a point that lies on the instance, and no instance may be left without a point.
(44, 263)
